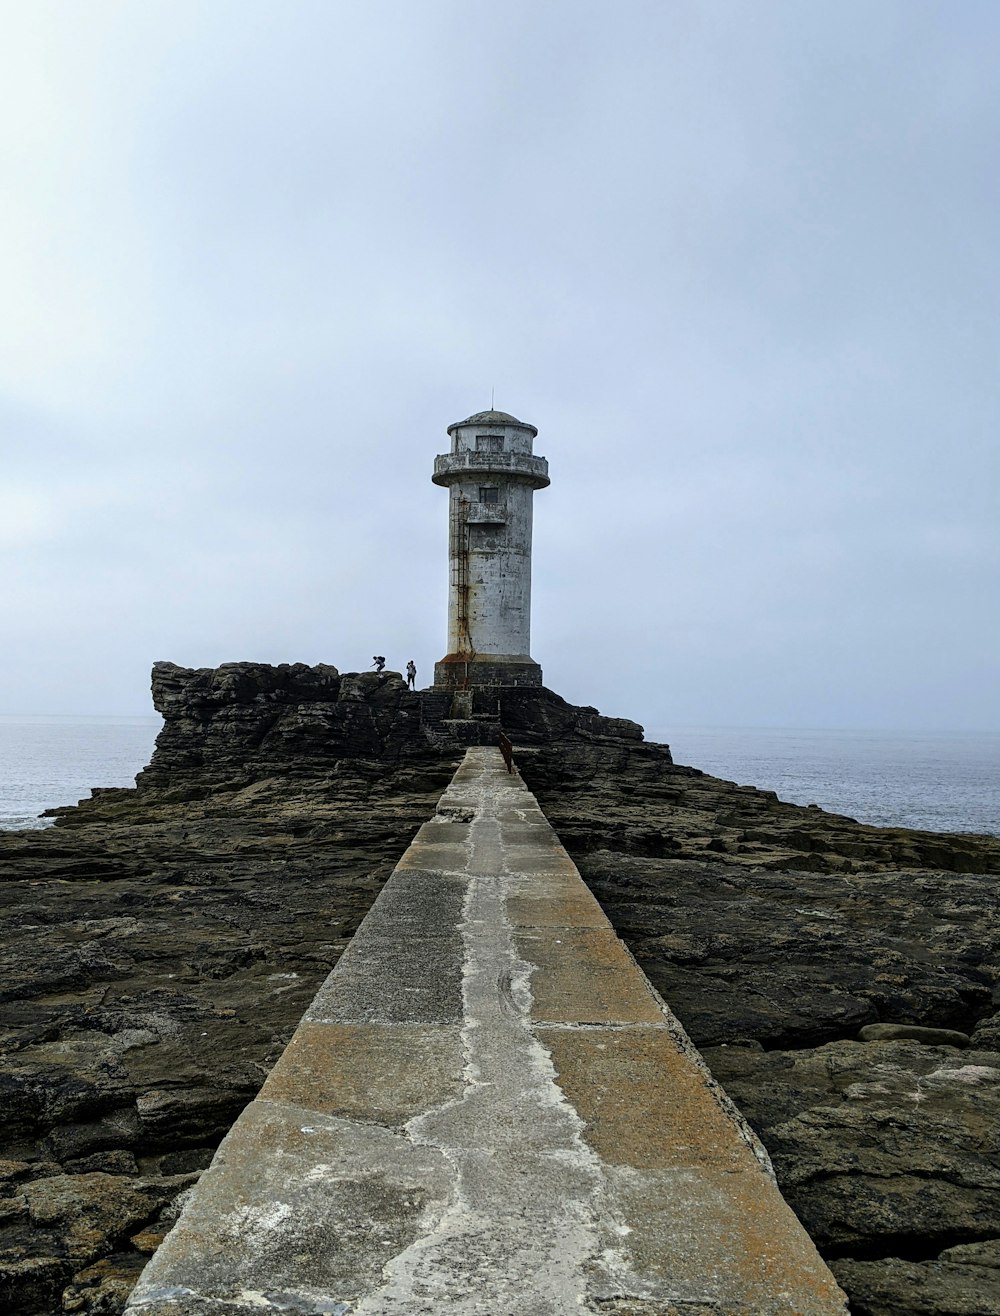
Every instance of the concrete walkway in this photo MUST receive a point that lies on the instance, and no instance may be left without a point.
(488, 1109)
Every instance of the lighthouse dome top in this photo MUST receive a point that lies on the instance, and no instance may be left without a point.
(492, 418)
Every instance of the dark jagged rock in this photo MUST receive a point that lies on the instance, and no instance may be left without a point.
(888, 1154)
(791, 958)
(913, 1033)
(244, 721)
(630, 793)
(162, 943)
(776, 933)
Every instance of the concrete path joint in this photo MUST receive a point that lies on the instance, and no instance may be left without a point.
(488, 1109)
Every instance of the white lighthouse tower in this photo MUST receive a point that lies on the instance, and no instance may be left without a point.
(491, 476)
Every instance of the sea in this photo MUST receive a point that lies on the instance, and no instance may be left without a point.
(48, 761)
(939, 781)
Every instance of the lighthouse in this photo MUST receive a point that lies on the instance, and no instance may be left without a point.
(491, 475)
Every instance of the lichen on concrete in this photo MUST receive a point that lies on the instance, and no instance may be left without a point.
(581, 1159)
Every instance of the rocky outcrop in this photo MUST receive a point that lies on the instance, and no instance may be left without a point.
(618, 792)
(789, 958)
(161, 944)
(243, 721)
(843, 983)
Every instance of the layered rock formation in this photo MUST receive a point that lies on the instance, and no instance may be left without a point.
(162, 943)
(781, 936)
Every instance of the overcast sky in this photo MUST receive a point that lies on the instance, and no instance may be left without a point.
(738, 262)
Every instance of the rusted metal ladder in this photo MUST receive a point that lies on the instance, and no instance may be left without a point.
(459, 529)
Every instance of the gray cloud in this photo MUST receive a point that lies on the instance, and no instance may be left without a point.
(736, 261)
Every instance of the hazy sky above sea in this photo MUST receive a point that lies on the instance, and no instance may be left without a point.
(739, 263)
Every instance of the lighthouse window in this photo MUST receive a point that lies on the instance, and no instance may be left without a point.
(489, 494)
(489, 443)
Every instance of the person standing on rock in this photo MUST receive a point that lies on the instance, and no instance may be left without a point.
(411, 675)
(378, 662)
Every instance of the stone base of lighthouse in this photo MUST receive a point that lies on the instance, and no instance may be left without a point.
(458, 671)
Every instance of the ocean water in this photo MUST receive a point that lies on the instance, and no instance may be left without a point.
(45, 761)
(938, 781)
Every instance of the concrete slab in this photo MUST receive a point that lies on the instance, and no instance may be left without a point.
(559, 908)
(394, 979)
(643, 1101)
(420, 900)
(440, 856)
(384, 1074)
(561, 883)
(540, 861)
(299, 1212)
(585, 976)
(404, 964)
(706, 1239)
(442, 829)
(530, 835)
(488, 1109)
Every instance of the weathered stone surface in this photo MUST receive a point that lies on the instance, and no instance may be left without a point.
(160, 945)
(913, 1033)
(789, 957)
(246, 721)
(33, 1284)
(944, 1287)
(88, 1208)
(769, 926)
(609, 790)
(557, 1167)
(895, 1142)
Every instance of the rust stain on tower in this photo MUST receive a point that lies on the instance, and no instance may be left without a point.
(491, 474)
